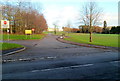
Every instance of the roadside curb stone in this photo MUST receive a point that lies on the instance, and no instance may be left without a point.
(12, 51)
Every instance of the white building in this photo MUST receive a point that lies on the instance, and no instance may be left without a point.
(53, 29)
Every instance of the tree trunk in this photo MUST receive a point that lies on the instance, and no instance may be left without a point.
(55, 30)
(90, 36)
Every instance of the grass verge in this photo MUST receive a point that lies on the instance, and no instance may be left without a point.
(98, 39)
(7, 46)
(21, 37)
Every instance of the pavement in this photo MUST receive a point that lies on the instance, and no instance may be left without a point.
(50, 59)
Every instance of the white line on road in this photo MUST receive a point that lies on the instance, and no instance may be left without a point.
(114, 61)
(35, 71)
(69, 67)
(77, 66)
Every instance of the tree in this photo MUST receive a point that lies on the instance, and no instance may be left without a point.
(84, 28)
(75, 30)
(91, 16)
(115, 30)
(55, 23)
(24, 16)
(67, 29)
(105, 24)
(97, 29)
(8, 14)
(104, 27)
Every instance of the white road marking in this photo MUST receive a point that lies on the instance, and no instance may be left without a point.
(45, 69)
(35, 71)
(77, 66)
(51, 57)
(69, 67)
(114, 61)
(88, 65)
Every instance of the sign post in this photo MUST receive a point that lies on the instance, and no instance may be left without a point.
(8, 34)
(28, 32)
(33, 30)
(5, 24)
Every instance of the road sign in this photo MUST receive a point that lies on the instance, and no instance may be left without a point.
(5, 24)
(28, 32)
(33, 29)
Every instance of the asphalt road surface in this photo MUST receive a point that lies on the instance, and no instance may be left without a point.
(51, 59)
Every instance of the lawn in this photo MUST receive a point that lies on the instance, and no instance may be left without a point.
(98, 39)
(21, 37)
(6, 46)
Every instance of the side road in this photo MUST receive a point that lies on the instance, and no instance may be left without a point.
(13, 51)
(49, 47)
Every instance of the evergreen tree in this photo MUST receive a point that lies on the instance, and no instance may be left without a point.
(105, 31)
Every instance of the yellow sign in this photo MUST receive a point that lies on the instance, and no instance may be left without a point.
(28, 31)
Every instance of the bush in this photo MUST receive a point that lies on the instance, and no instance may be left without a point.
(115, 30)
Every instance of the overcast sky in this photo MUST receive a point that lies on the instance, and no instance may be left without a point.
(63, 11)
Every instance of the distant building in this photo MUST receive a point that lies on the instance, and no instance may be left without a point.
(60, 29)
(53, 29)
(50, 29)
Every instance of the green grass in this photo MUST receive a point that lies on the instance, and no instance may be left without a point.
(6, 46)
(98, 39)
(21, 37)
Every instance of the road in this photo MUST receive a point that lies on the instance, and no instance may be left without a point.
(51, 59)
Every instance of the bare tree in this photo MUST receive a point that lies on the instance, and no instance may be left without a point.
(55, 26)
(55, 23)
(24, 16)
(91, 16)
(69, 26)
